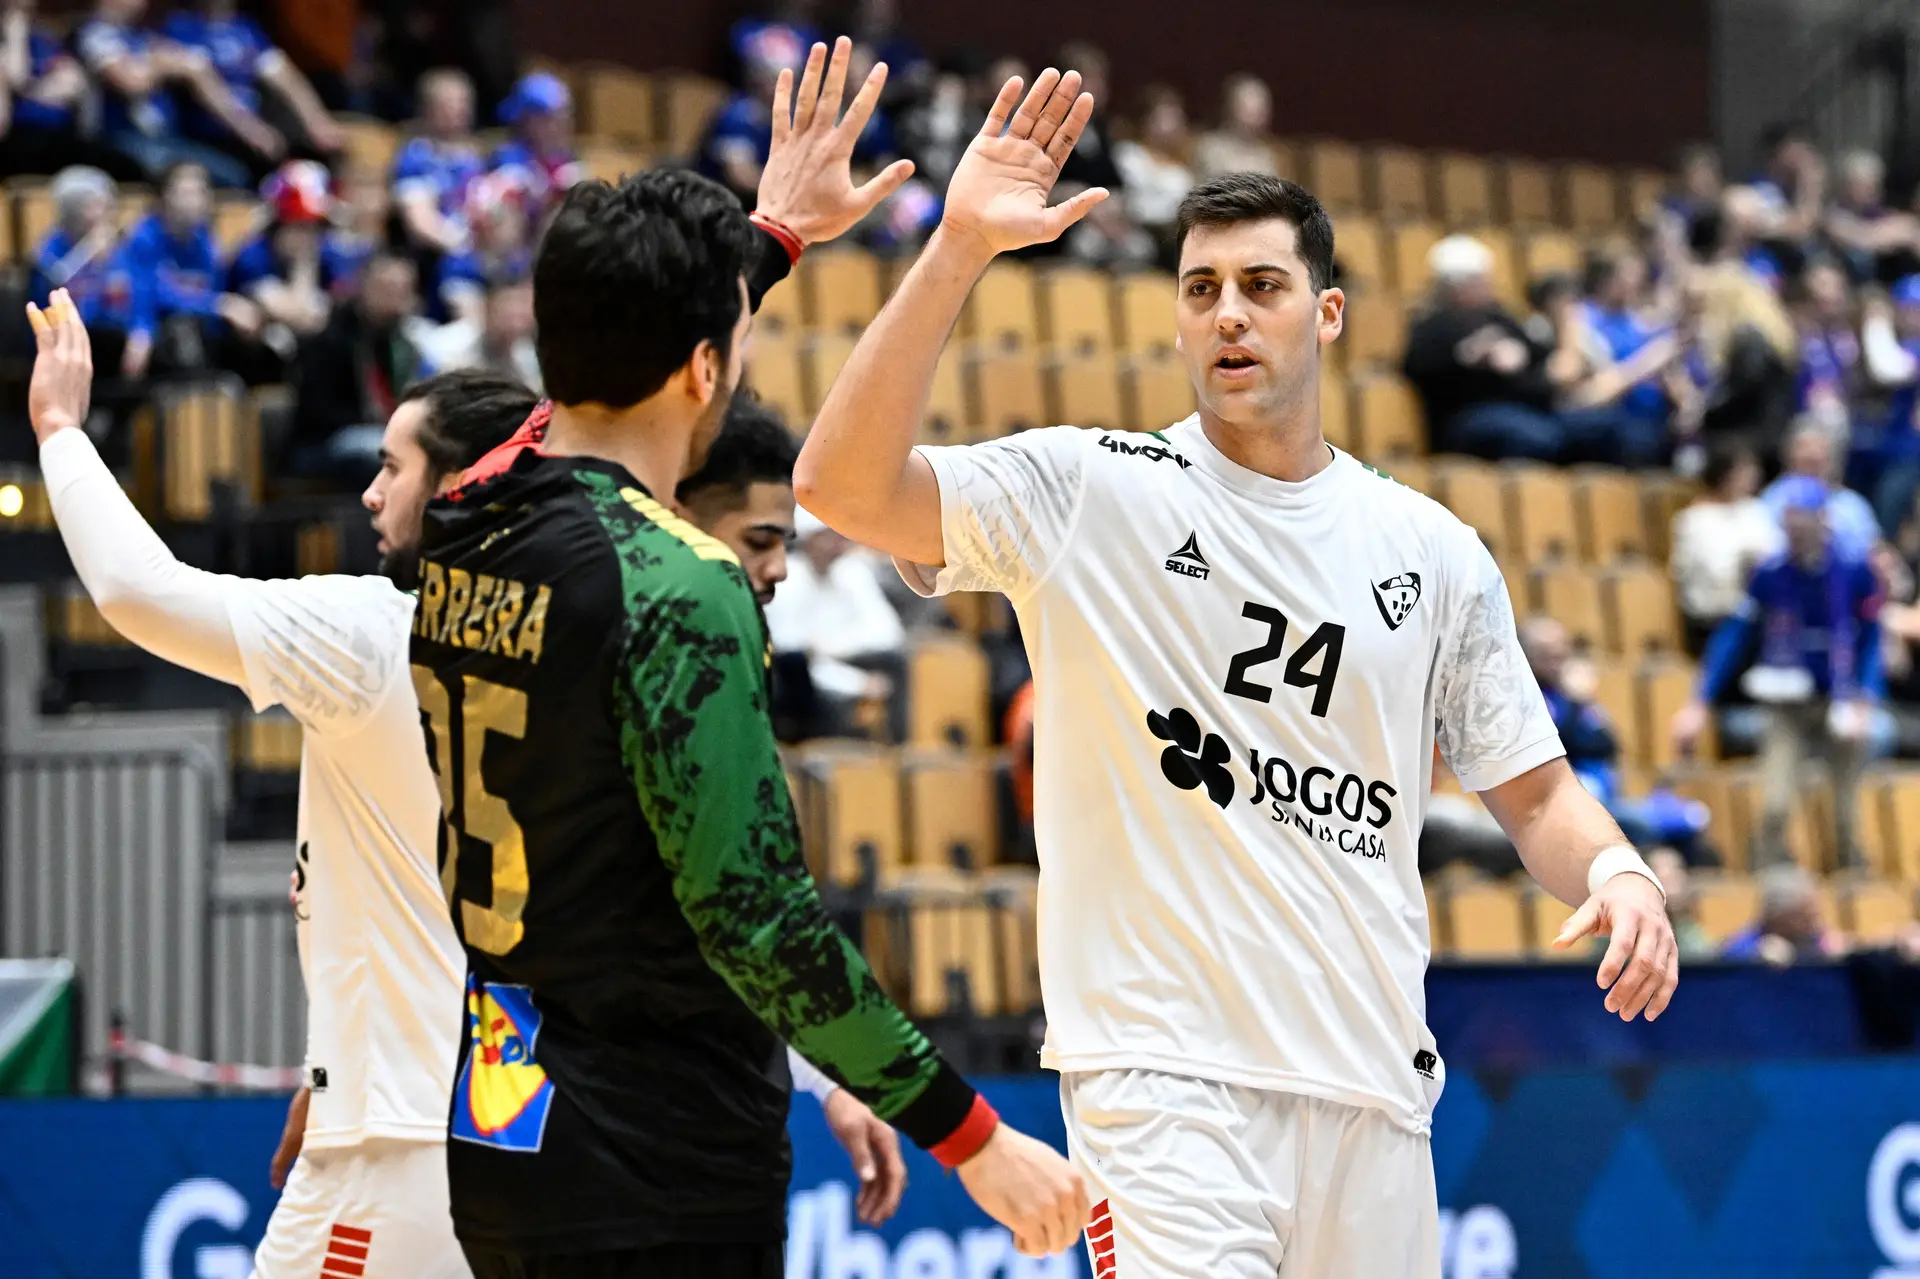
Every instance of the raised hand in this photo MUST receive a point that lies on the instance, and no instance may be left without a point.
(999, 190)
(807, 183)
(62, 386)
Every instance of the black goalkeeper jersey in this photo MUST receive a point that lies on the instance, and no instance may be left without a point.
(624, 866)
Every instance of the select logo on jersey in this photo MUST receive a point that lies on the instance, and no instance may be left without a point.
(1188, 561)
(1152, 452)
(1193, 760)
(503, 1096)
(1396, 597)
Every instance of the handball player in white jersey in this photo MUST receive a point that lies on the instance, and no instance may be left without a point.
(1246, 646)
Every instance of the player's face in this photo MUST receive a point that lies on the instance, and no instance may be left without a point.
(398, 495)
(1249, 323)
(760, 531)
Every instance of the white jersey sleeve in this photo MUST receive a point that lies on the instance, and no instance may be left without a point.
(1008, 510)
(319, 646)
(1492, 722)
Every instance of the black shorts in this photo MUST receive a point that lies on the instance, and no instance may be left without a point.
(667, 1261)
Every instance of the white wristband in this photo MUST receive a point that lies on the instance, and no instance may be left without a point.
(1621, 859)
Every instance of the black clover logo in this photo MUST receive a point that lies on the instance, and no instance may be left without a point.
(1190, 762)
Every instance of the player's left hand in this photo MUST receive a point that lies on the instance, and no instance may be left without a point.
(874, 1148)
(1642, 965)
(62, 385)
(807, 183)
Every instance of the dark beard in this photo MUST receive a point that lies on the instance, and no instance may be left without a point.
(402, 568)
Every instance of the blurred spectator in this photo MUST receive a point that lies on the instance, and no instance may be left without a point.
(1156, 166)
(283, 269)
(1677, 880)
(43, 89)
(1244, 141)
(1488, 390)
(908, 215)
(136, 69)
(1626, 340)
(1719, 539)
(1810, 453)
(82, 255)
(433, 171)
(500, 237)
(499, 338)
(1814, 613)
(1091, 162)
(179, 300)
(734, 148)
(1696, 194)
(1736, 234)
(781, 38)
(1735, 375)
(1790, 927)
(934, 132)
(833, 611)
(540, 155)
(1831, 375)
(1877, 242)
(246, 60)
(876, 24)
(1793, 187)
(362, 221)
(1886, 456)
(1567, 682)
(350, 374)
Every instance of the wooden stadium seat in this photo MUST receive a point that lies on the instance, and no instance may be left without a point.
(1466, 191)
(1400, 183)
(1643, 191)
(841, 288)
(1546, 916)
(611, 162)
(73, 618)
(1375, 333)
(1725, 904)
(948, 420)
(853, 806)
(1009, 391)
(774, 373)
(1540, 513)
(1661, 498)
(1471, 490)
(208, 438)
(371, 143)
(1527, 191)
(24, 506)
(1360, 253)
(1640, 612)
(687, 103)
(1003, 310)
(316, 548)
(1387, 418)
(1076, 305)
(1666, 686)
(1570, 594)
(1162, 394)
(1086, 391)
(979, 613)
(953, 963)
(616, 102)
(1592, 198)
(1617, 692)
(1336, 410)
(952, 815)
(12, 252)
(1878, 845)
(947, 693)
(235, 221)
(822, 357)
(1903, 816)
(1485, 922)
(1147, 303)
(1613, 522)
(1708, 786)
(1509, 282)
(267, 743)
(33, 215)
(1875, 911)
(1518, 578)
(1551, 253)
(1411, 245)
(1337, 175)
(1012, 894)
(780, 309)
(1414, 472)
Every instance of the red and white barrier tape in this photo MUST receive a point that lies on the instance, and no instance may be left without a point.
(181, 1066)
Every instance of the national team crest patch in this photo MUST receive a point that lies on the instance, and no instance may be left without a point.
(503, 1095)
(1396, 597)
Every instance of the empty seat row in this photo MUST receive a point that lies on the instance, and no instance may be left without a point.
(1465, 191)
(945, 943)
(868, 812)
(1541, 514)
(1887, 805)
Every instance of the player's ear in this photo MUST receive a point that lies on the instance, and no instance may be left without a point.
(1333, 314)
(704, 372)
(1179, 342)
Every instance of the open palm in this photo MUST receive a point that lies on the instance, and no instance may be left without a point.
(999, 190)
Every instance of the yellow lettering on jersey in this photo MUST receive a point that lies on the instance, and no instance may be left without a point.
(433, 595)
(702, 545)
(470, 636)
(533, 631)
(500, 629)
(493, 610)
(459, 595)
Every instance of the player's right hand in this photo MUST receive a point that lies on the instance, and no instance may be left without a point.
(62, 385)
(999, 190)
(1029, 1188)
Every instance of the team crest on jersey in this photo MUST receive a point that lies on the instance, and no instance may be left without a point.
(1396, 597)
(503, 1095)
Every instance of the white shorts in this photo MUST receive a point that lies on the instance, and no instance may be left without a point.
(1199, 1180)
(373, 1211)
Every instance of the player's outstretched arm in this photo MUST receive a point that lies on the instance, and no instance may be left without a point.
(707, 773)
(1577, 851)
(857, 471)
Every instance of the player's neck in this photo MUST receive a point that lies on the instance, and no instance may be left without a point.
(1286, 447)
(653, 446)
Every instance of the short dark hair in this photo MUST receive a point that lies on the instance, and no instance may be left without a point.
(1780, 132)
(1723, 456)
(754, 447)
(1255, 197)
(631, 278)
(178, 169)
(470, 412)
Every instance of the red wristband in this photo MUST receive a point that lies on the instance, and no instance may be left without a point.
(780, 231)
(964, 1142)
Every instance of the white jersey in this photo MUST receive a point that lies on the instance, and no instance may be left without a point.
(383, 967)
(1239, 686)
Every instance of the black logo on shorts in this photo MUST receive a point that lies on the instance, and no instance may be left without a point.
(1193, 760)
(1396, 597)
(1188, 561)
(317, 1079)
(1424, 1062)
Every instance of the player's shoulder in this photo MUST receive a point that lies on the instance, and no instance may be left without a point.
(661, 554)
